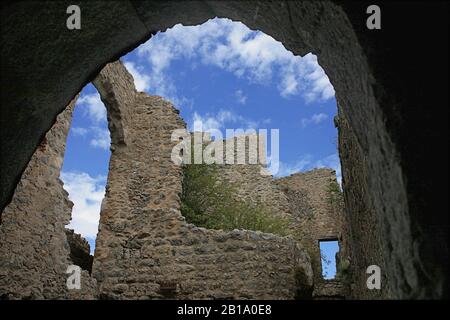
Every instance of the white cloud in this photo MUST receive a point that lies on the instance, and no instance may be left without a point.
(92, 107)
(206, 123)
(307, 163)
(79, 131)
(159, 82)
(315, 119)
(300, 165)
(234, 47)
(141, 80)
(319, 87)
(86, 193)
(101, 138)
(332, 161)
(220, 121)
(241, 98)
(289, 85)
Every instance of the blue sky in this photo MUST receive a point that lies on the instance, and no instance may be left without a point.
(219, 75)
(328, 250)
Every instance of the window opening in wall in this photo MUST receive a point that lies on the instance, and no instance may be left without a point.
(328, 251)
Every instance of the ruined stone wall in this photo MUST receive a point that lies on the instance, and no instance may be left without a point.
(250, 179)
(256, 188)
(370, 70)
(34, 252)
(314, 188)
(309, 200)
(316, 214)
(145, 249)
(330, 290)
(363, 242)
(80, 250)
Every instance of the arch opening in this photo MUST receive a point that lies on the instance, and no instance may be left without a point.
(256, 63)
(85, 169)
(257, 83)
(380, 192)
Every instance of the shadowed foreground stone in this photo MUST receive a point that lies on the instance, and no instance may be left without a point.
(80, 250)
(34, 250)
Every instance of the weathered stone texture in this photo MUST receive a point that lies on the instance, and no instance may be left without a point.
(313, 189)
(308, 200)
(80, 250)
(330, 290)
(363, 242)
(33, 247)
(256, 188)
(381, 95)
(250, 179)
(145, 249)
(88, 288)
(316, 215)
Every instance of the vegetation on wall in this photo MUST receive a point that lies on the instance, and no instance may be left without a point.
(210, 202)
(335, 196)
(343, 270)
(313, 252)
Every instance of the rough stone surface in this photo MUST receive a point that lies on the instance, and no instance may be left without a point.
(33, 247)
(363, 230)
(330, 290)
(80, 250)
(256, 188)
(251, 179)
(382, 96)
(312, 203)
(317, 215)
(144, 248)
(306, 199)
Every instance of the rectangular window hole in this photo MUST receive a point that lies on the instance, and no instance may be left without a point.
(328, 250)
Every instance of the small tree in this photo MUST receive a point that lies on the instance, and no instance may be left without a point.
(335, 196)
(213, 203)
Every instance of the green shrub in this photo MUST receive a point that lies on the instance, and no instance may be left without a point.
(335, 196)
(343, 270)
(212, 203)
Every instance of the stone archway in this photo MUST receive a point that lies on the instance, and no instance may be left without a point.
(62, 61)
